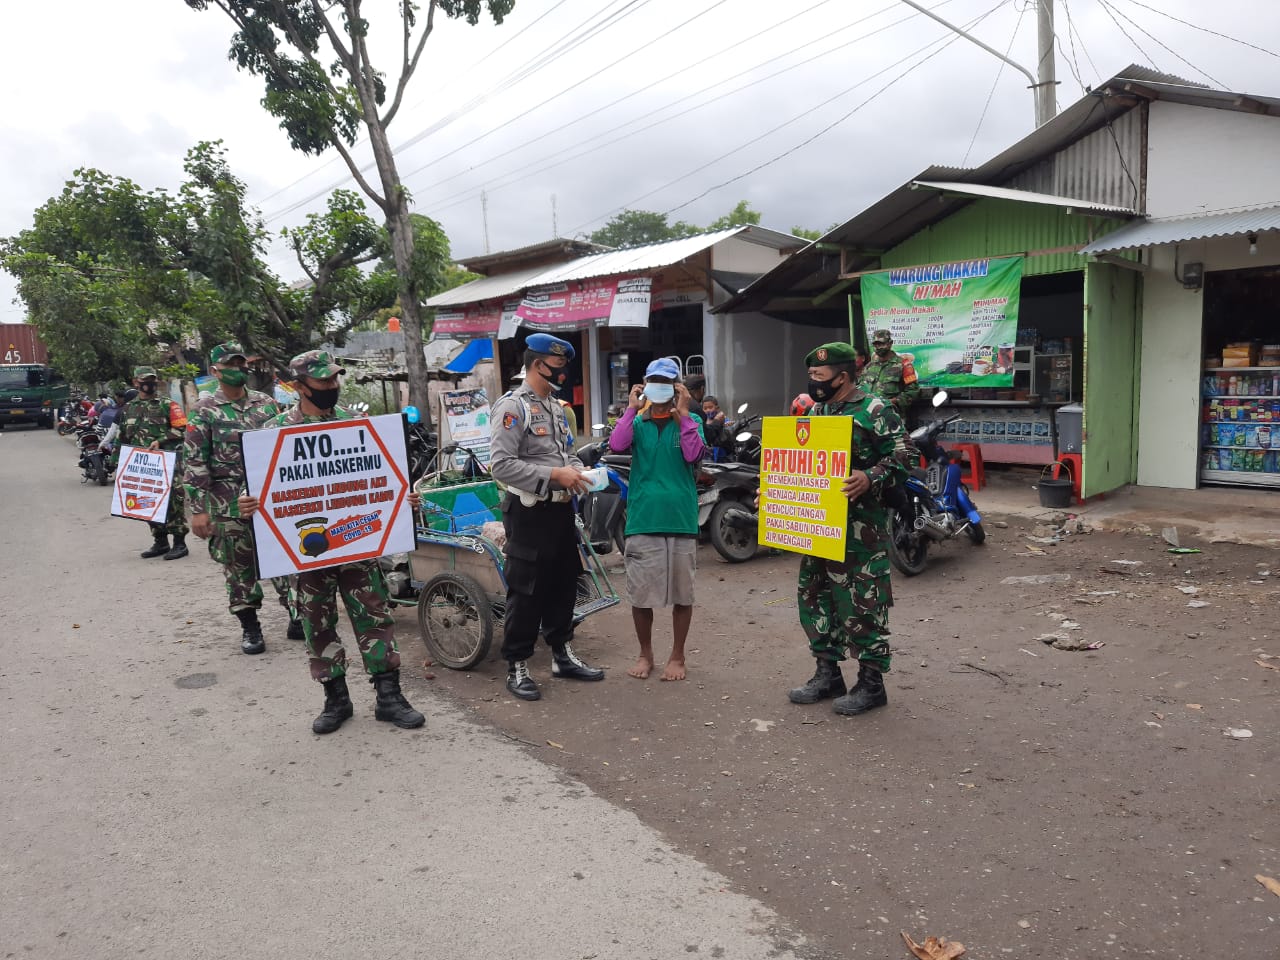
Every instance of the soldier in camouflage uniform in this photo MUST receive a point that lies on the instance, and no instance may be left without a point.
(844, 605)
(363, 588)
(214, 477)
(889, 376)
(156, 423)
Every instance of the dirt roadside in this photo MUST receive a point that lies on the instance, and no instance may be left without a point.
(1025, 800)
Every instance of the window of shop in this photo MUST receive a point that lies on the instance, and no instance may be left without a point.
(1240, 387)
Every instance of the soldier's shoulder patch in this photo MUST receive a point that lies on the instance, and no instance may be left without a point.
(874, 405)
(908, 372)
(509, 420)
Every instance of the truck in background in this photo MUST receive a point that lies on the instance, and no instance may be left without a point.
(30, 390)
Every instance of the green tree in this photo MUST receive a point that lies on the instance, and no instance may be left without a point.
(313, 56)
(811, 235)
(740, 216)
(635, 228)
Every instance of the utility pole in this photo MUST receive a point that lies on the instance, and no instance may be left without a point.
(1042, 88)
(484, 216)
(555, 226)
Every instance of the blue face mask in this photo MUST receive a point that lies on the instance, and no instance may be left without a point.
(660, 392)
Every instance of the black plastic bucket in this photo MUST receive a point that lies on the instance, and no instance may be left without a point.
(1055, 493)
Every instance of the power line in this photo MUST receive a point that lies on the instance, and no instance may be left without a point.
(417, 103)
(1212, 79)
(995, 83)
(1072, 31)
(1107, 9)
(604, 20)
(598, 144)
(1213, 33)
(786, 123)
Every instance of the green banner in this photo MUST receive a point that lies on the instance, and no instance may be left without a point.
(956, 322)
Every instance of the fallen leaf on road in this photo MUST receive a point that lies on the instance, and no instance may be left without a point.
(1269, 666)
(75, 626)
(1271, 883)
(933, 948)
(1194, 706)
(552, 743)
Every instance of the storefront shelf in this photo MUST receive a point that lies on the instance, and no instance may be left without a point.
(1266, 423)
(1242, 396)
(1233, 446)
(1249, 478)
(1237, 369)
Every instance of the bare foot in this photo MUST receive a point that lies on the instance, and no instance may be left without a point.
(674, 670)
(642, 669)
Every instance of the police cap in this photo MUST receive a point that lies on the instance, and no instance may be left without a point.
(830, 353)
(547, 345)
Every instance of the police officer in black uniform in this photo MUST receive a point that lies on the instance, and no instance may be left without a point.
(531, 454)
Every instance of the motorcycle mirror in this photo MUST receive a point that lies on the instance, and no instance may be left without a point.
(940, 398)
(743, 437)
(743, 409)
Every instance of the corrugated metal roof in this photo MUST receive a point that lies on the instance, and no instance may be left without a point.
(481, 262)
(1025, 196)
(1153, 233)
(653, 256)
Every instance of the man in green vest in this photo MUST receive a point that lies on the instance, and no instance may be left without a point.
(666, 442)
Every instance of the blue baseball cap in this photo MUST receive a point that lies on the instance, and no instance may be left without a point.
(550, 346)
(663, 367)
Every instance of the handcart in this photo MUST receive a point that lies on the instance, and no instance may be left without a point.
(463, 570)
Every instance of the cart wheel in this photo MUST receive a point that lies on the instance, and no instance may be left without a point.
(456, 623)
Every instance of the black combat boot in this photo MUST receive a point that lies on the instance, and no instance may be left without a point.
(391, 704)
(179, 549)
(295, 631)
(520, 683)
(337, 707)
(827, 681)
(251, 641)
(867, 694)
(567, 664)
(159, 548)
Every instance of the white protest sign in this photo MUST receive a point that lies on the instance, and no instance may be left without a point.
(631, 303)
(144, 480)
(329, 493)
(466, 416)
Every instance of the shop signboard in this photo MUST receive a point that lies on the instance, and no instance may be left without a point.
(803, 466)
(956, 322)
(578, 304)
(466, 416)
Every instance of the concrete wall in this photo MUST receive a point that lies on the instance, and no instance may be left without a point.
(760, 361)
(1172, 334)
(742, 256)
(1199, 159)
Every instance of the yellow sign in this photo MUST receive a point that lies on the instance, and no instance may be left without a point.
(802, 469)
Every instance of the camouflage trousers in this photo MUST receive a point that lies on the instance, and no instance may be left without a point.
(844, 606)
(364, 593)
(175, 521)
(231, 544)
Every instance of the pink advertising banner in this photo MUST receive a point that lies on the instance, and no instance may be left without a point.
(472, 321)
(579, 304)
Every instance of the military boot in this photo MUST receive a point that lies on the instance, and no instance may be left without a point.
(567, 664)
(179, 549)
(391, 704)
(159, 548)
(295, 631)
(520, 683)
(827, 681)
(251, 641)
(337, 707)
(867, 694)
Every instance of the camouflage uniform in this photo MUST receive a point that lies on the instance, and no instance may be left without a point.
(214, 477)
(845, 604)
(361, 584)
(892, 378)
(144, 421)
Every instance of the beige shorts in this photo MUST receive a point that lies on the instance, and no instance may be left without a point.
(660, 570)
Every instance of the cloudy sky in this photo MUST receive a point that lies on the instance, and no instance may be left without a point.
(586, 107)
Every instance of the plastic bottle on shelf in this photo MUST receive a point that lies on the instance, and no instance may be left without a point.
(1275, 384)
(1232, 386)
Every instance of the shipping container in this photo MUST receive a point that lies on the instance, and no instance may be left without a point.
(19, 343)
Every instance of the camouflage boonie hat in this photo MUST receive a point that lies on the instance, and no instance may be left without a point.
(882, 336)
(314, 363)
(141, 373)
(225, 351)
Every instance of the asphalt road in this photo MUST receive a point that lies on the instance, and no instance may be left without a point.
(163, 795)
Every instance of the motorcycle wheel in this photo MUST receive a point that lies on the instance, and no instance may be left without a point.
(64, 429)
(908, 550)
(456, 620)
(976, 533)
(732, 542)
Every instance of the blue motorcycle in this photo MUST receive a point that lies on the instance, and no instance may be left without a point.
(604, 512)
(933, 505)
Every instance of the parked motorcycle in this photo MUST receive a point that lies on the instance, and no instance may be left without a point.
(93, 459)
(934, 504)
(421, 444)
(604, 512)
(727, 492)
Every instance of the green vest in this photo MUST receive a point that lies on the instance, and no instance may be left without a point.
(663, 496)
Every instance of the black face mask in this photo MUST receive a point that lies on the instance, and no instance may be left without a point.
(556, 377)
(324, 399)
(146, 387)
(883, 350)
(822, 390)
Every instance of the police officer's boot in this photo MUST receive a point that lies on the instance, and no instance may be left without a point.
(391, 704)
(159, 548)
(867, 694)
(251, 641)
(567, 664)
(179, 549)
(295, 631)
(827, 681)
(337, 707)
(520, 683)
